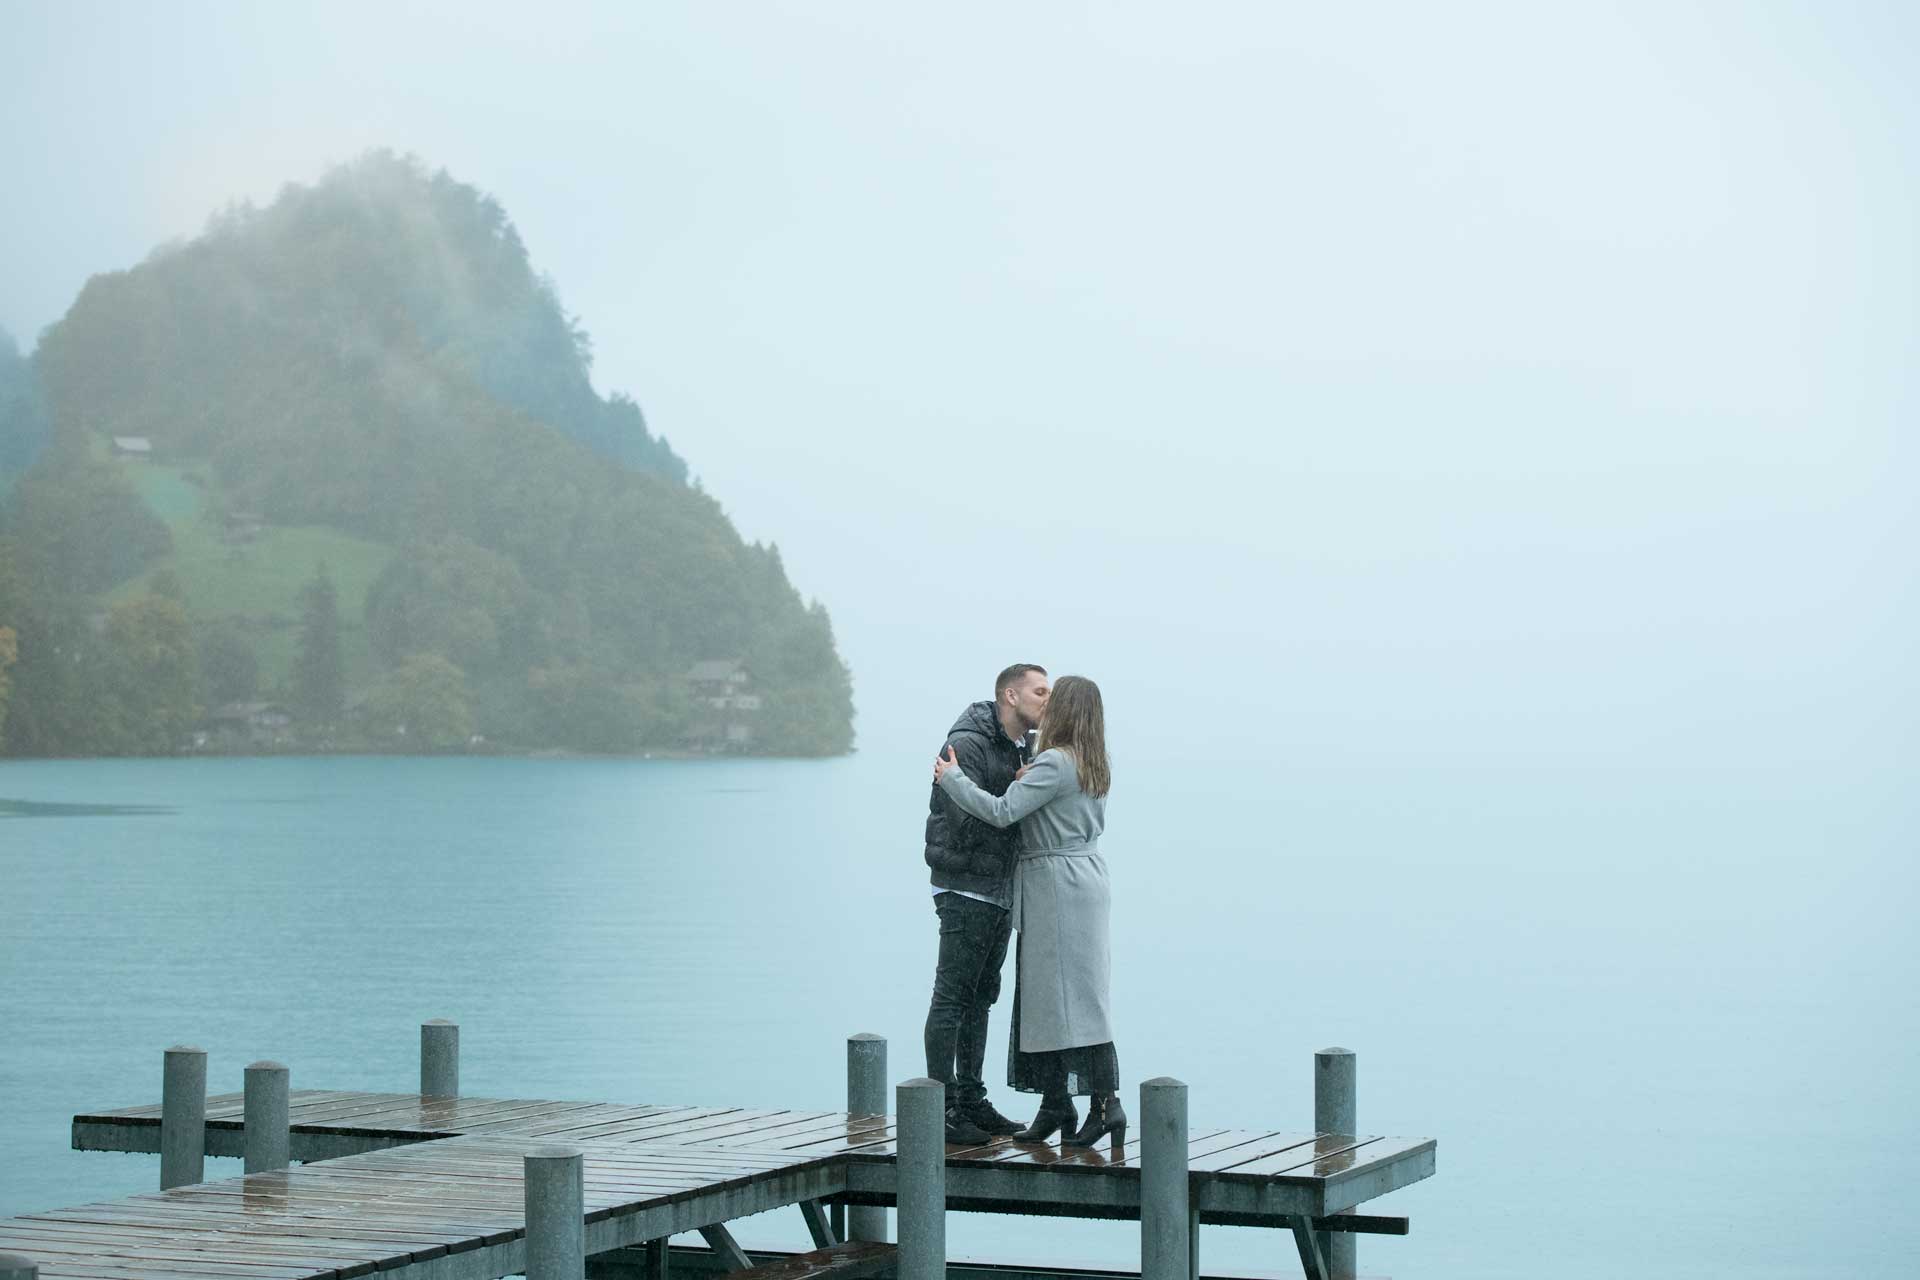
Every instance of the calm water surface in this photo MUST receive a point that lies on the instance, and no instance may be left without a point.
(1659, 1023)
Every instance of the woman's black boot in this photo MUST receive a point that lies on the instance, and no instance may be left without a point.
(1056, 1115)
(1104, 1116)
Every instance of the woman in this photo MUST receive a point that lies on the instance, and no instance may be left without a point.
(1063, 1038)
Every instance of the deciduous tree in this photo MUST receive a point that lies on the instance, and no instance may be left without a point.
(153, 676)
(422, 705)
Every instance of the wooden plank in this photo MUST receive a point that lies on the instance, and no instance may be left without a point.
(684, 1131)
(420, 1241)
(151, 1110)
(560, 1126)
(58, 1264)
(1228, 1156)
(643, 1175)
(500, 1190)
(470, 1117)
(95, 1270)
(637, 1129)
(460, 1153)
(321, 1111)
(806, 1126)
(62, 1264)
(160, 1257)
(155, 1242)
(1325, 1146)
(448, 1116)
(304, 1253)
(859, 1134)
(380, 1241)
(444, 1222)
(138, 1230)
(309, 1193)
(327, 1100)
(754, 1127)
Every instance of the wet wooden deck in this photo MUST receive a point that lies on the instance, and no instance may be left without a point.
(447, 1208)
(325, 1125)
(433, 1186)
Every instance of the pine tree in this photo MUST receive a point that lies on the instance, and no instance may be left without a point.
(319, 681)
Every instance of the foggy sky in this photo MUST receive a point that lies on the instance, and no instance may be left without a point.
(1388, 386)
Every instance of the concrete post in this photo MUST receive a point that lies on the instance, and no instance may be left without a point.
(267, 1138)
(867, 1096)
(555, 1179)
(1334, 1112)
(183, 1117)
(440, 1058)
(921, 1170)
(1164, 1243)
(15, 1267)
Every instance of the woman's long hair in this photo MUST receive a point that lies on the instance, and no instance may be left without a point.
(1076, 722)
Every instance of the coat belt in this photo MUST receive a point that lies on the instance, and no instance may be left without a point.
(1079, 849)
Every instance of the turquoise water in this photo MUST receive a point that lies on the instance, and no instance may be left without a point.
(1659, 1022)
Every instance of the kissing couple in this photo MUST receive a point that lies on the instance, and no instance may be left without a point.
(1013, 844)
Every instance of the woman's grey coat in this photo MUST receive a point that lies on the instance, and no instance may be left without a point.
(1061, 899)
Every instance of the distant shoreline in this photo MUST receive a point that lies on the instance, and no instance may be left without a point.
(541, 753)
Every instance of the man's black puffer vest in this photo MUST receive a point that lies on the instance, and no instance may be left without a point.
(964, 852)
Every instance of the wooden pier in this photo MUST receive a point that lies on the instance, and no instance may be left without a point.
(428, 1185)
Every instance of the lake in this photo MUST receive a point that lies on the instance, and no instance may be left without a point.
(1660, 1021)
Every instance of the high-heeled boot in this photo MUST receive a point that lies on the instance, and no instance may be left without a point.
(1056, 1115)
(1104, 1116)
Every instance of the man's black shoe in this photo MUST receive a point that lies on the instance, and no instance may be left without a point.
(983, 1114)
(963, 1130)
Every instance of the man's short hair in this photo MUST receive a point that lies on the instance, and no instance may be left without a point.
(1014, 675)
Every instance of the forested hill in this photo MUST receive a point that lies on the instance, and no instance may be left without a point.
(342, 455)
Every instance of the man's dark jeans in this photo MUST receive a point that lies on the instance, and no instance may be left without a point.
(966, 982)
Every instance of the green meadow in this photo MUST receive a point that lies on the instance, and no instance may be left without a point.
(255, 584)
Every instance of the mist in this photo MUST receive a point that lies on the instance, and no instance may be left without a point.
(1472, 447)
(1392, 388)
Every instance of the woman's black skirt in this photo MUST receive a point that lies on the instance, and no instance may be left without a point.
(1081, 1071)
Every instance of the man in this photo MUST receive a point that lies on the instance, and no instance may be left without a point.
(972, 866)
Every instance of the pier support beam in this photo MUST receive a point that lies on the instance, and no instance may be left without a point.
(265, 1112)
(867, 1096)
(440, 1058)
(15, 1267)
(1166, 1251)
(921, 1107)
(183, 1117)
(818, 1225)
(555, 1180)
(1334, 1111)
(724, 1247)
